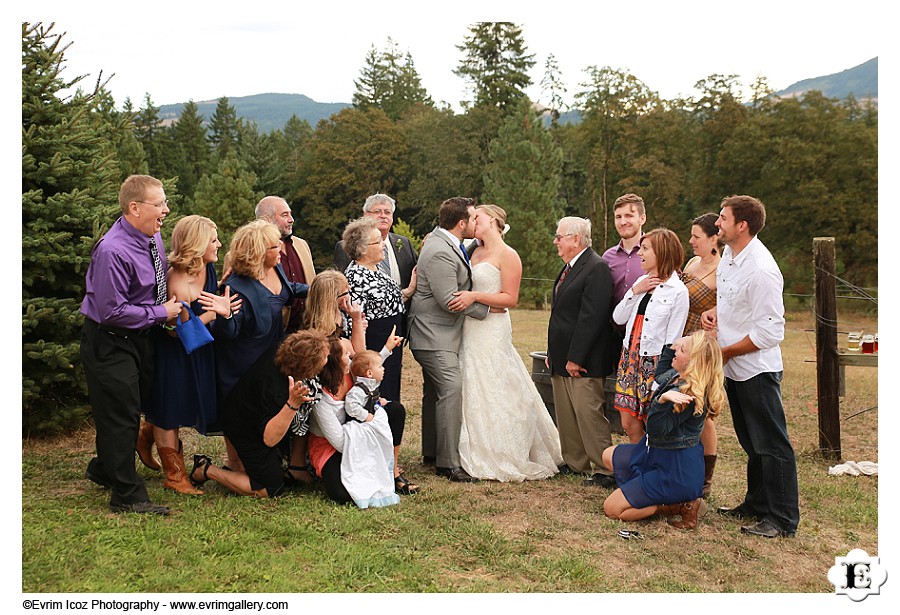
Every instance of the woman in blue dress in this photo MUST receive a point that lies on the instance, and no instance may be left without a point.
(663, 473)
(184, 386)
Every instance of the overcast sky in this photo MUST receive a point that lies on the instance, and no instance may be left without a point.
(203, 50)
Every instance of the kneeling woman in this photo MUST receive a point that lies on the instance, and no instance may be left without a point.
(258, 414)
(663, 473)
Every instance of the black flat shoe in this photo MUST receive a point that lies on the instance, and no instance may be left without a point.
(429, 461)
(95, 477)
(766, 530)
(200, 461)
(140, 507)
(599, 480)
(738, 512)
(456, 475)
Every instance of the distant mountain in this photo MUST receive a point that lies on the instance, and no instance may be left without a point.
(861, 81)
(269, 111)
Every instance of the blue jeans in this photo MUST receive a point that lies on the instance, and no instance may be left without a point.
(759, 423)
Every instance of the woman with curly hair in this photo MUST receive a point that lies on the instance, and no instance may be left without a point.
(663, 474)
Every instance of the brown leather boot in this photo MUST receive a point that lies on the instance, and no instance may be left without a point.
(710, 462)
(144, 446)
(690, 514)
(668, 510)
(173, 466)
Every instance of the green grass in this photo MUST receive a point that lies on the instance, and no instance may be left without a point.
(547, 536)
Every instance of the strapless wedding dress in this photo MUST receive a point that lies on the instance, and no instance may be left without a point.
(507, 434)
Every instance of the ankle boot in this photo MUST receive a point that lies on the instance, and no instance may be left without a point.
(173, 466)
(690, 514)
(144, 446)
(710, 462)
(668, 510)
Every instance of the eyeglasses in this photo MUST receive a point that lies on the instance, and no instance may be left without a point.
(165, 203)
(381, 212)
(375, 243)
(557, 237)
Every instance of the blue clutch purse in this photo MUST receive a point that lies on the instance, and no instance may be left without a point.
(192, 332)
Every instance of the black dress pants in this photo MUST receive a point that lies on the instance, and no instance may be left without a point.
(118, 367)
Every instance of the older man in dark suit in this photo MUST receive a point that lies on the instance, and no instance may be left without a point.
(399, 255)
(578, 354)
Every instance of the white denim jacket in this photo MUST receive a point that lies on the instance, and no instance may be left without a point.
(664, 318)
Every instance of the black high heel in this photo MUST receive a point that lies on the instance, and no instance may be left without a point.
(200, 461)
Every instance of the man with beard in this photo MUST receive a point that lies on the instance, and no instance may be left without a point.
(296, 258)
(623, 260)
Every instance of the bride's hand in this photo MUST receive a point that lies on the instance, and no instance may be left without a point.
(461, 300)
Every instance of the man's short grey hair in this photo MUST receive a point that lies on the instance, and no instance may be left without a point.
(377, 199)
(265, 209)
(579, 227)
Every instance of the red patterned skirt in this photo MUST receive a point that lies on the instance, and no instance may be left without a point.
(634, 378)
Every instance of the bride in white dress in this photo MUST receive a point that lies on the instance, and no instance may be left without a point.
(507, 433)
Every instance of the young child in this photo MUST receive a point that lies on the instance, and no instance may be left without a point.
(368, 371)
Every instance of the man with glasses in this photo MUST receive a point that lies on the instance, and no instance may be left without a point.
(399, 255)
(578, 353)
(124, 301)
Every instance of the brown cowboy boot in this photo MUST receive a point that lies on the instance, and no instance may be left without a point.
(668, 510)
(176, 475)
(690, 514)
(710, 463)
(144, 446)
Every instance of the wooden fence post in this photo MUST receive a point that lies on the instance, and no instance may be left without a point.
(827, 366)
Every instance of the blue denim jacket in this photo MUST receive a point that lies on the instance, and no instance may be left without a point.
(668, 429)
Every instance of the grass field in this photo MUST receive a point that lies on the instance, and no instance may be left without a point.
(546, 536)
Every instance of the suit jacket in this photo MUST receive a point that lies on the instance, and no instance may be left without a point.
(403, 249)
(580, 328)
(442, 271)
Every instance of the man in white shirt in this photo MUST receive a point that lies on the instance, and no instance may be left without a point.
(749, 316)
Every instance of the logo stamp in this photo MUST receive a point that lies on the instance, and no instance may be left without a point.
(857, 575)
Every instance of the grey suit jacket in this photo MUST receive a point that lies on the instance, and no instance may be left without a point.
(442, 271)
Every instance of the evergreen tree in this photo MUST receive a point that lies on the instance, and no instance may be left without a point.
(190, 139)
(224, 129)
(495, 64)
(553, 88)
(69, 198)
(389, 81)
(524, 179)
(150, 133)
(294, 153)
(130, 152)
(227, 196)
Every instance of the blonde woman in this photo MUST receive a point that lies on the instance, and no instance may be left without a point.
(663, 474)
(507, 433)
(184, 385)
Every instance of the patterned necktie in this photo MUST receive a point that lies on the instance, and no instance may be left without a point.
(562, 277)
(161, 290)
(384, 265)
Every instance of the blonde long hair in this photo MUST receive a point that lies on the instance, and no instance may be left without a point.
(322, 312)
(190, 240)
(703, 376)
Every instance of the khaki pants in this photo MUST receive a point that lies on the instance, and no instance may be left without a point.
(584, 433)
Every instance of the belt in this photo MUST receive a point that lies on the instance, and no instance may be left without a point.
(120, 331)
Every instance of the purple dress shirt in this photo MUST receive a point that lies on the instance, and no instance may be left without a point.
(625, 267)
(121, 282)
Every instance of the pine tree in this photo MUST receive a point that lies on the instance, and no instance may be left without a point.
(389, 81)
(524, 178)
(553, 88)
(227, 197)
(190, 138)
(149, 131)
(495, 64)
(224, 128)
(69, 198)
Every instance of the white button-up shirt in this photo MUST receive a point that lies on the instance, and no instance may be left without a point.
(750, 302)
(664, 318)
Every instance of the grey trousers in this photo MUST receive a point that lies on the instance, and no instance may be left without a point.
(441, 406)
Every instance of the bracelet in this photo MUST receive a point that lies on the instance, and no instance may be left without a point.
(230, 314)
(294, 408)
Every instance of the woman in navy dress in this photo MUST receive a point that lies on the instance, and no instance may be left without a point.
(663, 473)
(184, 386)
(241, 339)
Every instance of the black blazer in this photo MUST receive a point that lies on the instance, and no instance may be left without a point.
(403, 251)
(580, 328)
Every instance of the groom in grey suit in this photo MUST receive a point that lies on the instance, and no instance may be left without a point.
(435, 333)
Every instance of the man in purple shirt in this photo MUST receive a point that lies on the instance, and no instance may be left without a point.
(125, 299)
(623, 260)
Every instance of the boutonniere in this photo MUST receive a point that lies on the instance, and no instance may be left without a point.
(399, 245)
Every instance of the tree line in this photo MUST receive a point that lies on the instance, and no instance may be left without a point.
(812, 160)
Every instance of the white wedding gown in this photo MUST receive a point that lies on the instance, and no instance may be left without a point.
(506, 434)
